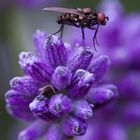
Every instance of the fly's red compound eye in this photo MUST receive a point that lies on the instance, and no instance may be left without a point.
(101, 18)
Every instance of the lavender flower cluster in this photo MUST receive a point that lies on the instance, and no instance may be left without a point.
(60, 90)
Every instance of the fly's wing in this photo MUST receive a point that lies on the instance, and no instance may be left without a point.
(63, 10)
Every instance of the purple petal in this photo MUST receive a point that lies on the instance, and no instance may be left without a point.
(82, 109)
(35, 130)
(61, 77)
(111, 87)
(14, 97)
(25, 84)
(36, 68)
(99, 95)
(60, 104)
(80, 60)
(39, 107)
(20, 112)
(74, 126)
(99, 67)
(55, 51)
(81, 83)
(18, 105)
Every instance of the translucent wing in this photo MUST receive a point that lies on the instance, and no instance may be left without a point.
(63, 10)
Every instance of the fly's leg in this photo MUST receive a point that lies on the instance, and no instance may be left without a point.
(60, 30)
(82, 29)
(83, 37)
(95, 36)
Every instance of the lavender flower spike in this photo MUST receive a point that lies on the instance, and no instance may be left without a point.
(55, 87)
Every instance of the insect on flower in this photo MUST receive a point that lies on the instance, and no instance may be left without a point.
(81, 18)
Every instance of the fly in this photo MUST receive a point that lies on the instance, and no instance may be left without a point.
(80, 18)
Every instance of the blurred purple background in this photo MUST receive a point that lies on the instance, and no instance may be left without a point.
(120, 40)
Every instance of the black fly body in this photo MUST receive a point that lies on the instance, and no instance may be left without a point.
(80, 18)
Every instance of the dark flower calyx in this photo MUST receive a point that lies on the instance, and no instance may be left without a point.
(47, 91)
